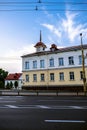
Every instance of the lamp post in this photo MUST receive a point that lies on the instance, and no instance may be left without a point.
(83, 66)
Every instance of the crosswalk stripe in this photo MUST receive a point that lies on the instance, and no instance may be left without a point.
(65, 121)
(12, 106)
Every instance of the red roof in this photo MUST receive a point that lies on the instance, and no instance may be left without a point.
(53, 46)
(14, 76)
(40, 44)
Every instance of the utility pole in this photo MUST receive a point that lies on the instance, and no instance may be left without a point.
(83, 67)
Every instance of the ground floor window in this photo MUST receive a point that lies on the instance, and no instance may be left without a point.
(71, 75)
(42, 77)
(27, 78)
(34, 77)
(81, 75)
(61, 76)
(51, 76)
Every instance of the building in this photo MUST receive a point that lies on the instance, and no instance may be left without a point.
(58, 68)
(12, 77)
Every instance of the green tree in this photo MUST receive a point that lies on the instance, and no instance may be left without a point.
(11, 84)
(1, 85)
(3, 75)
(8, 85)
(16, 84)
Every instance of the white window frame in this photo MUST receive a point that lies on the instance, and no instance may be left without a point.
(61, 76)
(42, 77)
(34, 77)
(71, 60)
(41, 63)
(52, 77)
(61, 61)
(34, 64)
(51, 62)
(72, 77)
(26, 64)
(27, 78)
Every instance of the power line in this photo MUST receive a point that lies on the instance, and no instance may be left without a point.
(37, 6)
(40, 2)
(36, 9)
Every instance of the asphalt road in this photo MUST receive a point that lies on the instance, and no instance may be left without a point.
(43, 113)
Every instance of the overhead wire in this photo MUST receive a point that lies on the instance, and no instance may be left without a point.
(37, 6)
(3, 3)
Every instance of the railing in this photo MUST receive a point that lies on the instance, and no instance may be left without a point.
(40, 92)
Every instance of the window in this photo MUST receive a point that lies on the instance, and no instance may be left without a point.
(26, 65)
(34, 77)
(27, 78)
(71, 61)
(42, 77)
(81, 75)
(51, 76)
(71, 75)
(51, 62)
(61, 75)
(80, 60)
(35, 64)
(61, 62)
(41, 63)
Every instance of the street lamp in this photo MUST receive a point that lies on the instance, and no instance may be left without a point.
(83, 66)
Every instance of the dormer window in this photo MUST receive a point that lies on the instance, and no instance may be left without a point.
(53, 47)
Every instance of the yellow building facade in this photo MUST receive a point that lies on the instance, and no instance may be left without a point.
(55, 68)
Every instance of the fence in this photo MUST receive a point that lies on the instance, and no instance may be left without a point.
(39, 92)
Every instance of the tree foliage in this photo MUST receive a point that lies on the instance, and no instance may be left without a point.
(16, 84)
(11, 84)
(8, 85)
(3, 75)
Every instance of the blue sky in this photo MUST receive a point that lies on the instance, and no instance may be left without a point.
(61, 22)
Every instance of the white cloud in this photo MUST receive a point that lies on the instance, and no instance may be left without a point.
(72, 28)
(12, 61)
(67, 29)
(53, 29)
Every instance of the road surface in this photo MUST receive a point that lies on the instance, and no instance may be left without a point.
(43, 113)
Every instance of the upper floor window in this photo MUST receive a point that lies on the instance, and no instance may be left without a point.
(41, 63)
(51, 76)
(27, 78)
(35, 64)
(61, 61)
(61, 76)
(71, 75)
(42, 77)
(71, 60)
(80, 60)
(26, 65)
(51, 62)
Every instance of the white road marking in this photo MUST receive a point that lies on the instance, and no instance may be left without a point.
(76, 107)
(43, 107)
(11, 106)
(51, 100)
(6, 101)
(65, 121)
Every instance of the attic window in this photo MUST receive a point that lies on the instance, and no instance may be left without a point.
(53, 47)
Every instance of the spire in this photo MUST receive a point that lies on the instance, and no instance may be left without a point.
(40, 36)
(40, 46)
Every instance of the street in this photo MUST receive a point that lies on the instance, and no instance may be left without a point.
(43, 113)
